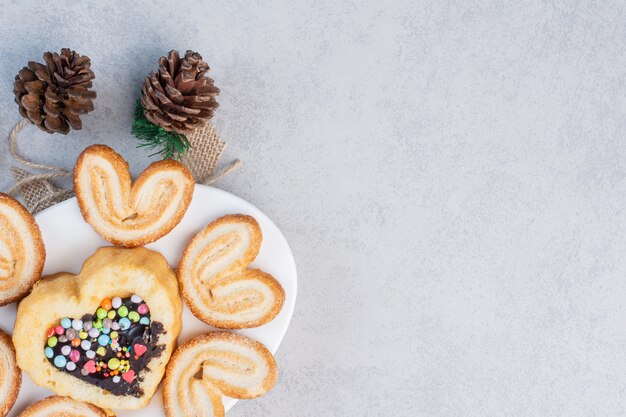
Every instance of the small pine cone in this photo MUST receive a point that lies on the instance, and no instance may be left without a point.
(179, 97)
(54, 95)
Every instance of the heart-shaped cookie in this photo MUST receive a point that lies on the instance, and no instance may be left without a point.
(214, 363)
(105, 335)
(22, 253)
(215, 280)
(129, 214)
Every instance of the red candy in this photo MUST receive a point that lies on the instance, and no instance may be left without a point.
(139, 349)
(51, 332)
(75, 355)
(129, 376)
(90, 366)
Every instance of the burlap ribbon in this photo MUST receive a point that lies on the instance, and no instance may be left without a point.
(39, 192)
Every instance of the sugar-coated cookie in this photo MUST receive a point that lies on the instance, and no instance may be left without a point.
(214, 363)
(22, 252)
(10, 375)
(215, 280)
(129, 214)
(56, 406)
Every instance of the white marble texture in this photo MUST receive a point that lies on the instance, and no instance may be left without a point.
(450, 176)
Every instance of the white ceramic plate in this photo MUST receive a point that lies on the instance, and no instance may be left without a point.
(69, 241)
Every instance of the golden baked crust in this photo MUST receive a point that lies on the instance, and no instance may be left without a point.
(56, 406)
(234, 365)
(110, 272)
(22, 252)
(214, 279)
(128, 214)
(10, 375)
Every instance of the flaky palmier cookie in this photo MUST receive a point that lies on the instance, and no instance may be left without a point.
(22, 252)
(214, 363)
(128, 214)
(57, 406)
(215, 281)
(10, 375)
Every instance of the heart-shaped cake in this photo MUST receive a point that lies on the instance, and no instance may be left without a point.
(105, 335)
(129, 214)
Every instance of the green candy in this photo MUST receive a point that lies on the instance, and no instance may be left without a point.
(122, 311)
(134, 316)
(97, 324)
(52, 341)
(101, 313)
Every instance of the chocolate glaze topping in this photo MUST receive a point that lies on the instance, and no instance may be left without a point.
(138, 334)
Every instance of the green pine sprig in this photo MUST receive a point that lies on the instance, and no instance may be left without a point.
(170, 145)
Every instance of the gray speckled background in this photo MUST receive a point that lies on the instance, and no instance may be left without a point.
(451, 179)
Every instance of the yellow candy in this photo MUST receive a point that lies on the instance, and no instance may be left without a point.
(101, 351)
(83, 335)
(111, 314)
(113, 335)
(114, 363)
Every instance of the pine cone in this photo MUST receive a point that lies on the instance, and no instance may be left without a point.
(179, 97)
(52, 96)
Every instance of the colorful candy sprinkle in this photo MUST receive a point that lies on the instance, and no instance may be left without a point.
(124, 323)
(114, 363)
(48, 352)
(106, 304)
(116, 302)
(60, 361)
(101, 313)
(133, 316)
(95, 343)
(90, 366)
(103, 340)
(74, 355)
(129, 376)
(122, 311)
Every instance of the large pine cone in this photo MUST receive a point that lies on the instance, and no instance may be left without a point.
(54, 95)
(179, 97)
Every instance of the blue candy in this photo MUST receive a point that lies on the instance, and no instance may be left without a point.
(48, 352)
(66, 323)
(103, 340)
(124, 323)
(60, 361)
(145, 321)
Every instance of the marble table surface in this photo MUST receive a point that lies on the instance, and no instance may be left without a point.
(450, 176)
